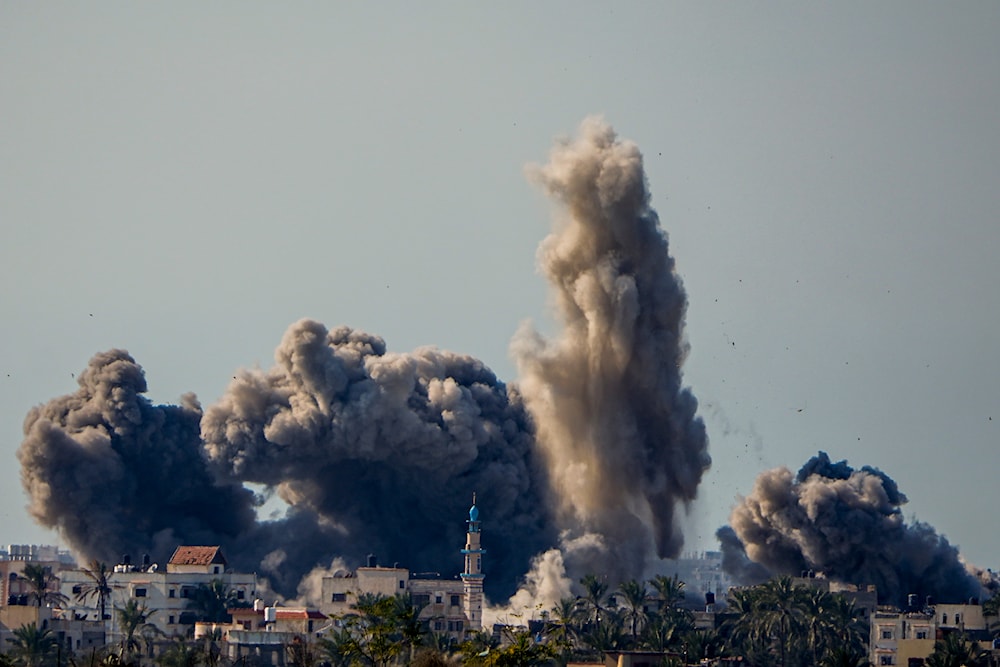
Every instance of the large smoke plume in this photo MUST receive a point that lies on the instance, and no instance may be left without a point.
(582, 468)
(847, 524)
(620, 435)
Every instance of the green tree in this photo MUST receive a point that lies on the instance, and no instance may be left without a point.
(98, 586)
(593, 600)
(180, 654)
(211, 602)
(562, 626)
(43, 584)
(371, 630)
(670, 590)
(133, 623)
(338, 647)
(33, 647)
(634, 597)
(955, 650)
(782, 614)
(703, 645)
(844, 656)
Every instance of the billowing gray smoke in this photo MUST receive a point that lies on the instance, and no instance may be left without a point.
(847, 524)
(381, 452)
(624, 446)
(385, 450)
(116, 474)
(374, 452)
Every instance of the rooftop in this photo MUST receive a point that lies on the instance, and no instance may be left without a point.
(197, 556)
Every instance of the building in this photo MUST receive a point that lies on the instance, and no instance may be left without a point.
(907, 637)
(265, 635)
(166, 593)
(448, 606)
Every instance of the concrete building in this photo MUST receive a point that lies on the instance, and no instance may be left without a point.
(907, 637)
(264, 635)
(167, 593)
(449, 606)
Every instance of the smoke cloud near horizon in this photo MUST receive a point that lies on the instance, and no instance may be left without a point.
(580, 467)
(847, 524)
(624, 446)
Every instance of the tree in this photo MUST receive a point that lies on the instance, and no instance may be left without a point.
(843, 656)
(955, 650)
(180, 654)
(211, 602)
(595, 590)
(133, 619)
(634, 597)
(782, 614)
(43, 584)
(98, 586)
(562, 627)
(669, 589)
(33, 647)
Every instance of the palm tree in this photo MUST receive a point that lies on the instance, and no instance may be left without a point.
(99, 586)
(562, 626)
(782, 614)
(595, 590)
(211, 602)
(43, 584)
(669, 589)
(634, 595)
(606, 636)
(703, 645)
(33, 647)
(406, 615)
(843, 656)
(955, 650)
(133, 619)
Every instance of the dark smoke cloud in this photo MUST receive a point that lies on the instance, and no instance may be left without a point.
(116, 474)
(847, 524)
(385, 450)
(381, 452)
(619, 431)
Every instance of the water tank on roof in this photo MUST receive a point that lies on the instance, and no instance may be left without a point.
(258, 605)
(372, 560)
(270, 614)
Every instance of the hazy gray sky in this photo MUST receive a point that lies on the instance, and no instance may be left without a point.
(185, 181)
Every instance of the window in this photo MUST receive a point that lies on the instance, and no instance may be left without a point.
(921, 634)
(455, 601)
(140, 592)
(958, 619)
(77, 589)
(170, 620)
(886, 633)
(216, 569)
(339, 597)
(438, 625)
(240, 594)
(437, 599)
(173, 593)
(402, 585)
(944, 619)
(885, 660)
(421, 600)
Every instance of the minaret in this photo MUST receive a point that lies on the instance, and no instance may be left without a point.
(473, 575)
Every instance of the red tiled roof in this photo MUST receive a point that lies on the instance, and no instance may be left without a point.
(289, 614)
(197, 556)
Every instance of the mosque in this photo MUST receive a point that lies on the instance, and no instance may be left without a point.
(451, 607)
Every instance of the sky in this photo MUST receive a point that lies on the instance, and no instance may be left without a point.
(185, 181)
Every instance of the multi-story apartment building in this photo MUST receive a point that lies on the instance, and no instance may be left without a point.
(907, 637)
(166, 592)
(448, 606)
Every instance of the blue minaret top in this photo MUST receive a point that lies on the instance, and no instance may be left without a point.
(473, 516)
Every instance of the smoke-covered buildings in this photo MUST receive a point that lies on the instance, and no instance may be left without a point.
(450, 607)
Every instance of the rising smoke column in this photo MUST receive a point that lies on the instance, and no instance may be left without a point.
(115, 474)
(385, 450)
(618, 431)
(847, 524)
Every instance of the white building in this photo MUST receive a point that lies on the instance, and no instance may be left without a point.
(448, 606)
(165, 593)
(907, 637)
